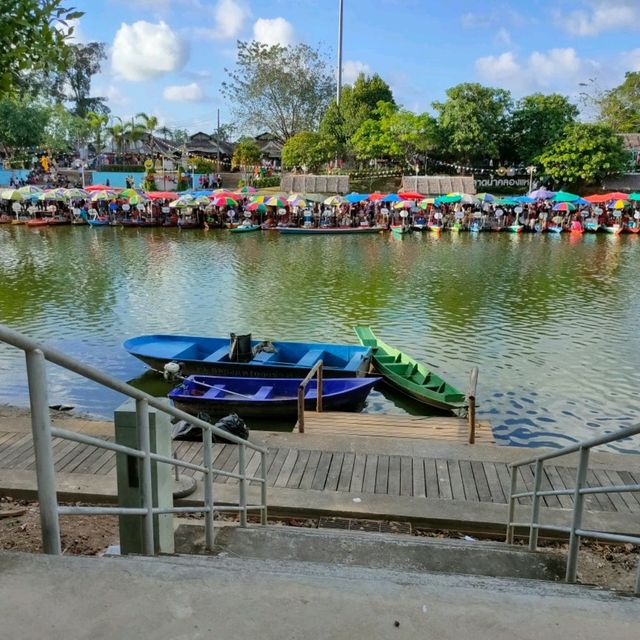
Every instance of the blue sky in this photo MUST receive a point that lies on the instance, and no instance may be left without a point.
(167, 57)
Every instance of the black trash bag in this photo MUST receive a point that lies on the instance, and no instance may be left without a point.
(240, 348)
(233, 424)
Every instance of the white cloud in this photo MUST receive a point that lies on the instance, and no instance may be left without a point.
(145, 50)
(498, 16)
(599, 16)
(631, 60)
(272, 31)
(230, 18)
(503, 37)
(184, 93)
(555, 69)
(351, 69)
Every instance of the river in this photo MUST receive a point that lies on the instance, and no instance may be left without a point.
(551, 321)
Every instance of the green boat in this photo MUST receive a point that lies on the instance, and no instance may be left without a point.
(245, 228)
(411, 377)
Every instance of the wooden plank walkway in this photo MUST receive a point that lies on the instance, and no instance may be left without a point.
(361, 465)
(397, 426)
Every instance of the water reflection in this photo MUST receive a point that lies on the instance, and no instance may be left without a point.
(550, 320)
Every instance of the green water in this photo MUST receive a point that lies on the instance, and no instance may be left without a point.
(551, 321)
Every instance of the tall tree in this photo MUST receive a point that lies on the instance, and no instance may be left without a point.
(65, 131)
(357, 104)
(284, 90)
(73, 84)
(22, 125)
(395, 134)
(149, 124)
(32, 40)
(619, 108)
(585, 155)
(473, 121)
(97, 124)
(307, 149)
(537, 122)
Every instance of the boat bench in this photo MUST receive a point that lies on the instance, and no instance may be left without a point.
(264, 356)
(217, 392)
(263, 393)
(310, 358)
(354, 363)
(217, 355)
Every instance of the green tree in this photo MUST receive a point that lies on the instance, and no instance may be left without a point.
(34, 37)
(118, 135)
(65, 131)
(284, 90)
(149, 125)
(246, 154)
(537, 122)
(73, 84)
(396, 134)
(22, 125)
(307, 149)
(97, 125)
(619, 108)
(585, 155)
(357, 104)
(473, 121)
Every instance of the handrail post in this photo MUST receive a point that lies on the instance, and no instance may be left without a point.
(512, 505)
(471, 399)
(535, 506)
(243, 485)
(209, 533)
(578, 503)
(144, 444)
(301, 390)
(45, 468)
(319, 387)
(263, 488)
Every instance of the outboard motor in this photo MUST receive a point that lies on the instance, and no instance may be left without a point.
(240, 348)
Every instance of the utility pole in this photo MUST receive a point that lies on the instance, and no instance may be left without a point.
(339, 83)
(218, 142)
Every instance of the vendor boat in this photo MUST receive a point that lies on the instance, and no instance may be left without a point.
(245, 228)
(412, 378)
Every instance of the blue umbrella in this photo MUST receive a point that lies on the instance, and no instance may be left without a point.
(356, 197)
(524, 199)
(542, 194)
(392, 197)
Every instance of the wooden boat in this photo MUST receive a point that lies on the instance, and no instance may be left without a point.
(515, 228)
(267, 397)
(37, 222)
(633, 229)
(320, 231)
(411, 377)
(591, 227)
(57, 220)
(212, 356)
(555, 228)
(615, 229)
(400, 228)
(245, 228)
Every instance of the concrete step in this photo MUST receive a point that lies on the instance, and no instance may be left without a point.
(375, 551)
(225, 597)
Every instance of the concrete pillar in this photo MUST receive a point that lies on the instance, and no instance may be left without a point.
(129, 474)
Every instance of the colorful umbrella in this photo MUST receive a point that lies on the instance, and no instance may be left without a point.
(30, 190)
(404, 204)
(257, 206)
(225, 194)
(53, 194)
(140, 200)
(375, 197)
(12, 194)
(392, 197)
(105, 194)
(76, 194)
(160, 195)
(485, 197)
(619, 204)
(542, 194)
(297, 202)
(426, 202)
(449, 198)
(564, 206)
(634, 196)
(507, 202)
(524, 199)
(277, 201)
(247, 189)
(224, 201)
(99, 187)
(617, 195)
(129, 193)
(334, 201)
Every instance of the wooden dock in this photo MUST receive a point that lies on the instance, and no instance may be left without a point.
(447, 428)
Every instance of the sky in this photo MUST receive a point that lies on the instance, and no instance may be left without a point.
(168, 57)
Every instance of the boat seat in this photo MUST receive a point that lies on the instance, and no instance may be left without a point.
(263, 393)
(310, 358)
(264, 356)
(215, 393)
(355, 362)
(217, 355)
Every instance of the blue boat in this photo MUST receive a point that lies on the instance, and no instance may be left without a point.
(215, 356)
(267, 398)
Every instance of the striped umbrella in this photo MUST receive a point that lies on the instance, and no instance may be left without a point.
(30, 190)
(247, 189)
(404, 204)
(297, 202)
(426, 203)
(52, 194)
(12, 194)
(564, 206)
(257, 206)
(277, 201)
(76, 194)
(334, 201)
(225, 194)
(224, 201)
(103, 195)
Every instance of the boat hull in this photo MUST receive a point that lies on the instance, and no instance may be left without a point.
(267, 398)
(327, 231)
(410, 377)
(245, 229)
(210, 356)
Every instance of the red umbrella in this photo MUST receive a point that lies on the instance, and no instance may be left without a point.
(374, 197)
(161, 195)
(617, 195)
(101, 187)
(410, 195)
(226, 194)
(598, 197)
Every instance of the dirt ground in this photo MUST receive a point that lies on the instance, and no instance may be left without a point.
(608, 566)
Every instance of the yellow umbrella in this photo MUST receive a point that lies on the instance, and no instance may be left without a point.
(12, 194)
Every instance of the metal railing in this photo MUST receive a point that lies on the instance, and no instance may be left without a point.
(317, 371)
(575, 530)
(36, 357)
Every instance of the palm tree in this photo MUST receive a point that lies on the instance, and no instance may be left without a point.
(117, 133)
(149, 125)
(97, 123)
